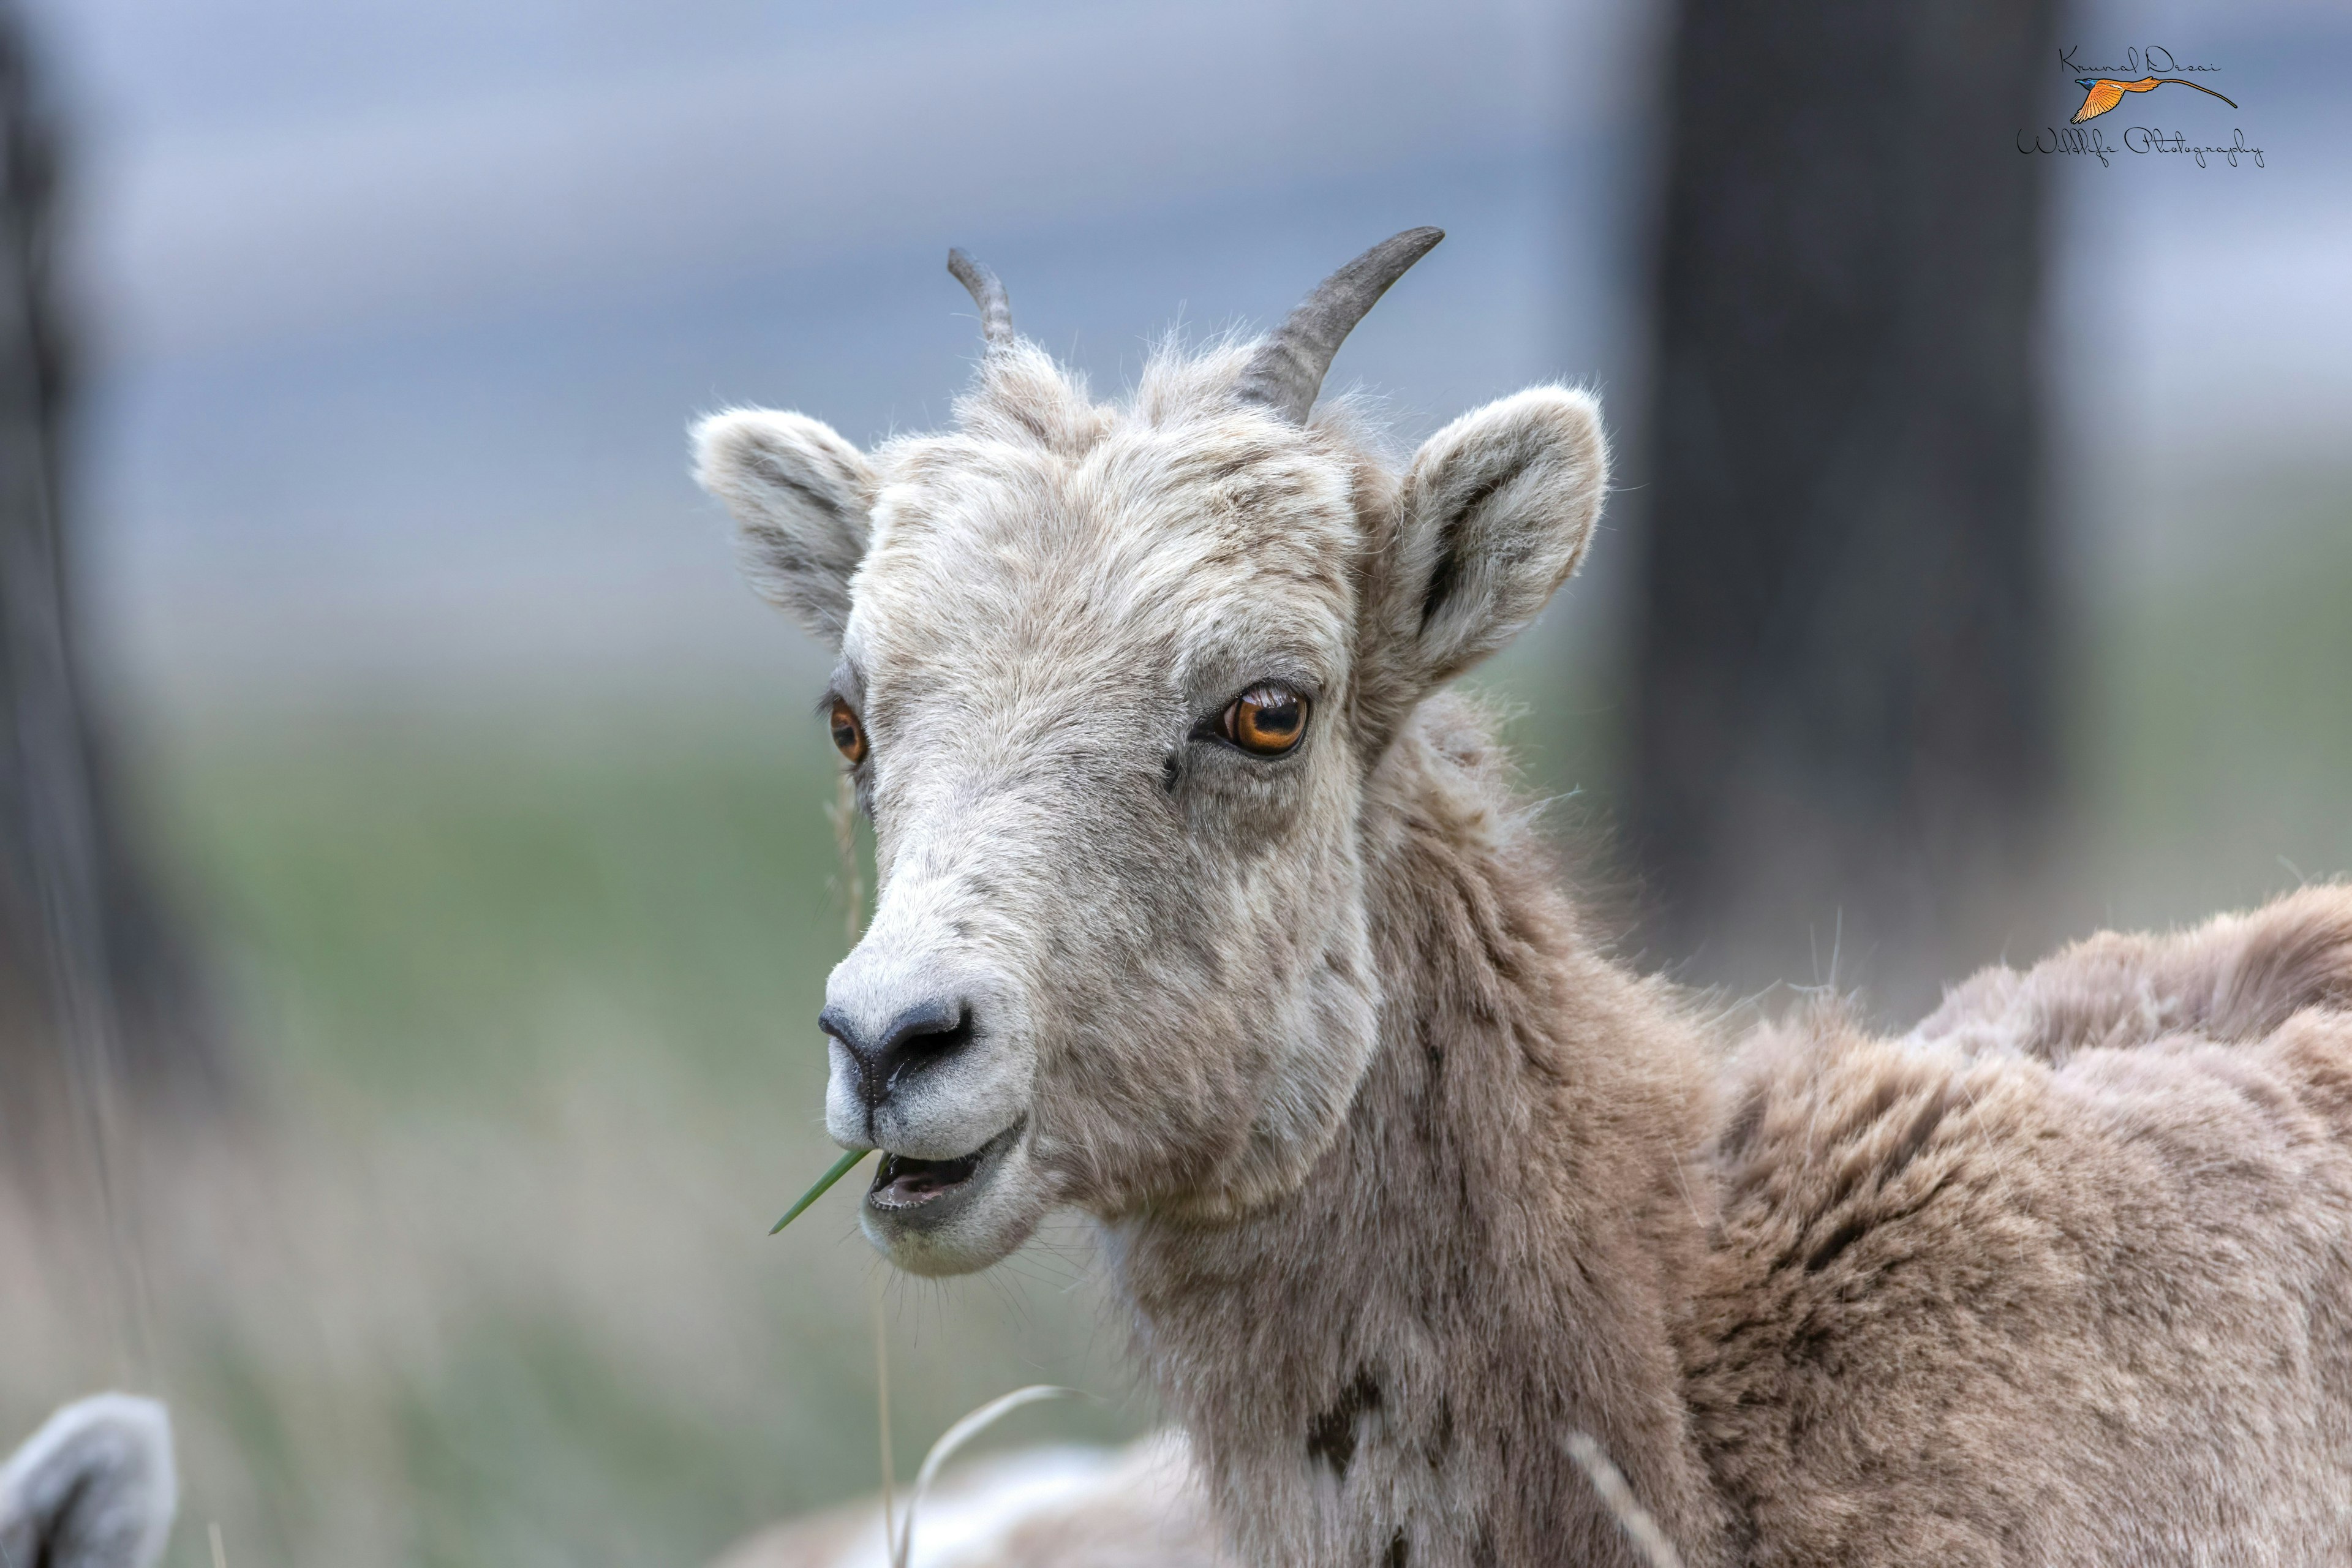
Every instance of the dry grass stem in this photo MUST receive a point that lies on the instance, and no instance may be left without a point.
(882, 1405)
(954, 1437)
(1631, 1517)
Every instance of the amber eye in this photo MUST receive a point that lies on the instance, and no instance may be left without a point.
(848, 734)
(1267, 719)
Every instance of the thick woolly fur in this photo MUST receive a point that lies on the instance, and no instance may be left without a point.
(1406, 1178)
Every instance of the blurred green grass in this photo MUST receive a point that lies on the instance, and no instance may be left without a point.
(2213, 728)
(429, 902)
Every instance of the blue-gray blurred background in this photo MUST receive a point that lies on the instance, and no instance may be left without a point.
(494, 802)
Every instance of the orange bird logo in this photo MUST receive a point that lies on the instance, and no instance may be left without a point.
(2103, 93)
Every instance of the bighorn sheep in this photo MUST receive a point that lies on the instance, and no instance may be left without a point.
(94, 1488)
(1203, 912)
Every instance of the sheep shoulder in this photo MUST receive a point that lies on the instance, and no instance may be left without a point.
(2018, 1286)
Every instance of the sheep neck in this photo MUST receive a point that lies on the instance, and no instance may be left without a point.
(1384, 1365)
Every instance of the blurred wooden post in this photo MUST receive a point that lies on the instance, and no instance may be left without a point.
(92, 988)
(1843, 731)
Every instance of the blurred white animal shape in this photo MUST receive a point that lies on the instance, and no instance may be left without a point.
(1058, 1507)
(94, 1488)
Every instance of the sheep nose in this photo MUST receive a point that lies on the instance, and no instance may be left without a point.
(916, 1037)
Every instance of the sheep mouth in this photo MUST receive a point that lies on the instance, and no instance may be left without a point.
(903, 1182)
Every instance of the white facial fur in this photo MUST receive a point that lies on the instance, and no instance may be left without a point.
(1155, 944)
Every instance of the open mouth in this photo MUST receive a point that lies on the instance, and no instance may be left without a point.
(905, 1183)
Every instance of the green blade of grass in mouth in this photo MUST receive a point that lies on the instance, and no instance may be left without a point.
(840, 1169)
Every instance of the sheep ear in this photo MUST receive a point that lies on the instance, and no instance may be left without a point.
(94, 1488)
(1494, 516)
(801, 499)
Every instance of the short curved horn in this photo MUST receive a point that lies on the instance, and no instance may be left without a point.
(1287, 371)
(988, 293)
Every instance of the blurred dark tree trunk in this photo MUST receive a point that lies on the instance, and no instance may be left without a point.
(1843, 729)
(94, 989)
